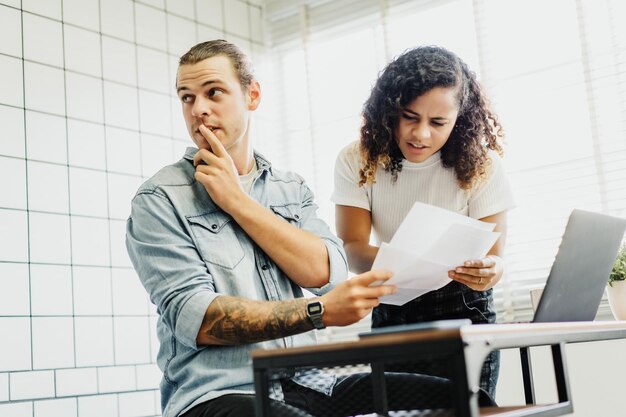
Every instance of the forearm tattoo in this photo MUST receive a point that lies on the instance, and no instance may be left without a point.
(234, 320)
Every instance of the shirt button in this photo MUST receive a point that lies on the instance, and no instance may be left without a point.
(297, 217)
(213, 226)
(265, 267)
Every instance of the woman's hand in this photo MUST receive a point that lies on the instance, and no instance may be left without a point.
(481, 274)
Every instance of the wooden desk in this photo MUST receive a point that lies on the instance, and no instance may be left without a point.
(467, 346)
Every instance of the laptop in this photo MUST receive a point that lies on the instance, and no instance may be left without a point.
(581, 268)
(577, 279)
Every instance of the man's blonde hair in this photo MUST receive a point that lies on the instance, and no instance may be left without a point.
(219, 47)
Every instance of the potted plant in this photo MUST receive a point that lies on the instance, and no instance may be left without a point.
(617, 285)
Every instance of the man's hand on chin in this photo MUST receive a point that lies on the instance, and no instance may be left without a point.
(216, 171)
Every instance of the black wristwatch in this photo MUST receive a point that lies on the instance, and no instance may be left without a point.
(315, 311)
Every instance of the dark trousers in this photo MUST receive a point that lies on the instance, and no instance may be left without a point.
(351, 395)
(241, 405)
(454, 301)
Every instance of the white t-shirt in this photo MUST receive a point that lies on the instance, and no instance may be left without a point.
(248, 179)
(428, 182)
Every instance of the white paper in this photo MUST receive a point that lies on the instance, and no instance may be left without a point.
(460, 243)
(429, 221)
(429, 242)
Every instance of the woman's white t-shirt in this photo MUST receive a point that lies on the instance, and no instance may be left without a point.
(428, 182)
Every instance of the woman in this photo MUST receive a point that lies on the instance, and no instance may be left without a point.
(428, 135)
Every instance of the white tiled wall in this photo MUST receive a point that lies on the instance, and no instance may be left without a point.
(88, 112)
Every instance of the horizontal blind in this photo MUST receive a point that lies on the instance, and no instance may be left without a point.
(285, 18)
(559, 91)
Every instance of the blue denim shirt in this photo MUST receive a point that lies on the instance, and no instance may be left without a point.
(187, 252)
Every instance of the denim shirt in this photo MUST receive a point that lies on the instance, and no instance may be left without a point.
(187, 252)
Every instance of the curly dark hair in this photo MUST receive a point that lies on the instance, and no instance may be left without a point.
(407, 77)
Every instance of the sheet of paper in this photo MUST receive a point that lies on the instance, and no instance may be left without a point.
(403, 296)
(392, 258)
(408, 270)
(460, 243)
(429, 222)
(430, 242)
(412, 278)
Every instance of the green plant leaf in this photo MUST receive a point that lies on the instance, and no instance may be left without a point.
(618, 273)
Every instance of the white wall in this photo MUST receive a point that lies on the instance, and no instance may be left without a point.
(87, 112)
(595, 369)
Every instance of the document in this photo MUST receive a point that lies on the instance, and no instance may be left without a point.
(429, 242)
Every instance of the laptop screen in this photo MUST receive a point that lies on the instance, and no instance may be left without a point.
(581, 268)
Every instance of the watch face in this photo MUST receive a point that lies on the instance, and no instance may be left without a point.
(315, 308)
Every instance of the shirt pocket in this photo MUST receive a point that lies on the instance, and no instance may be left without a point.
(291, 212)
(216, 239)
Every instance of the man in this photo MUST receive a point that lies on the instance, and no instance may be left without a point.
(224, 243)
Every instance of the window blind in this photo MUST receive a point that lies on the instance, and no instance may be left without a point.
(555, 73)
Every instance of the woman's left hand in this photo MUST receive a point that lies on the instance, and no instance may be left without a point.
(480, 274)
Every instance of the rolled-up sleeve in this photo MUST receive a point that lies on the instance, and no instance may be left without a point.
(169, 265)
(337, 259)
